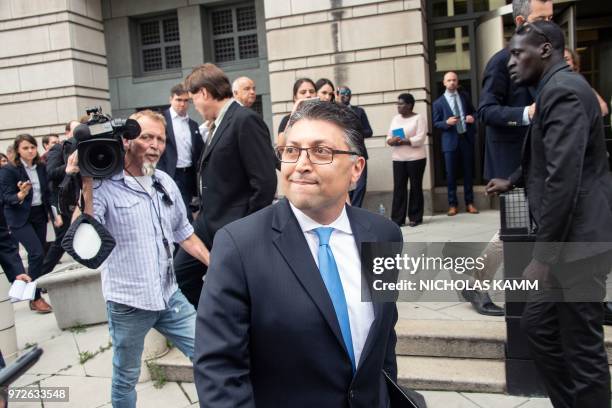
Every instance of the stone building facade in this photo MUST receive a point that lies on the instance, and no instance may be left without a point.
(59, 56)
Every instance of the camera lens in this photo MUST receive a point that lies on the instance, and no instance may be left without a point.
(101, 158)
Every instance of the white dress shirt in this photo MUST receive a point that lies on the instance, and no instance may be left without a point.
(36, 191)
(346, 254)
(182, 135)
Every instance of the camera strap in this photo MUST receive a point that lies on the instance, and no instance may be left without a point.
(158, 214)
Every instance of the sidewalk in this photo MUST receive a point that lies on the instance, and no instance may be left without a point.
(89, 380)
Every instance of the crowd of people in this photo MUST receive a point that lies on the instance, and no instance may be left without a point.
(242, 281)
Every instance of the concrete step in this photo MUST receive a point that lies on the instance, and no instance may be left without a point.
(452, 374)
(460, 339)
(423, 373)
(463, 356)
(174, 366)
(451, 338)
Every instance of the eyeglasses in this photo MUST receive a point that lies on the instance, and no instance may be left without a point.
(316, 155)
(158, 186)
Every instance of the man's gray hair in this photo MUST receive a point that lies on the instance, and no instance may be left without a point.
(522, 8)
(236, 83)
(339, 115)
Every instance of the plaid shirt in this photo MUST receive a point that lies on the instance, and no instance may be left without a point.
(138, 272)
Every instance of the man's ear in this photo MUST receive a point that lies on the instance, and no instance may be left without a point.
(358, 167)
(546, 50)
(519, 21)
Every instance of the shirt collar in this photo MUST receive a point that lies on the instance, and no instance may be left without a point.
(175, 115)
(222, 112)
(307, 224)
(449, 93)
(25, 165)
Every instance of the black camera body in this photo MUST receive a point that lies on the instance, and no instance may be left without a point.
(99, 143)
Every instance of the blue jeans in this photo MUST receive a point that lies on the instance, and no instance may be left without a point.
(128, 327)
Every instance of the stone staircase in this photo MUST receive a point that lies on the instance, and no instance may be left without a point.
(447, 355)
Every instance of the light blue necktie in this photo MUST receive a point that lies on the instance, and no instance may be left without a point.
(460, 126)
(331, 277)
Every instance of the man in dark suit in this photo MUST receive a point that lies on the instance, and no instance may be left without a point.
(183, 145)
(236, 171)
(565, 173)
(453, 115)
(344, 97)
(281, 321)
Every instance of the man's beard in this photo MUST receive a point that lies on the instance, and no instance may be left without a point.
(148, 168)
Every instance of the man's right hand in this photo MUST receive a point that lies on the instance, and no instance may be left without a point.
(531, 111)
(498, 186)
(24, 277)
(452, 121)
(72, 166)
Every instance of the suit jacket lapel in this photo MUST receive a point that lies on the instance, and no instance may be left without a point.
(218, 134)
(170, 130)
(292, 245)
(362, 233)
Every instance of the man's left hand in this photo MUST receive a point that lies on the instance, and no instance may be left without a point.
(469, 119)
(58, 222)
(538, 271)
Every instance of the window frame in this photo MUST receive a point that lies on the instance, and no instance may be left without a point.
(161, 45)
(235, 35)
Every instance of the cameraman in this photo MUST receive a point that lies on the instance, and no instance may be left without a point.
(143, 210)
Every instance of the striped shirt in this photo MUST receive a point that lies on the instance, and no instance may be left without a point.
(138, 272)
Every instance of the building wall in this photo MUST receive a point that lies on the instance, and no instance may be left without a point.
(52, 65)
(377, 48)
(130, 89)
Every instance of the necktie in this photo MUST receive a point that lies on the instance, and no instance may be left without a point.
(331, 278)
(460, 126)
(211, 130)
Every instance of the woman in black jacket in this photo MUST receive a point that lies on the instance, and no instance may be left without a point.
(26, 206)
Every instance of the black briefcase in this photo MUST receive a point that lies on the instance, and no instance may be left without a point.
(400, 397)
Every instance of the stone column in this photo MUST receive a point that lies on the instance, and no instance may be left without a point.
(52, 65)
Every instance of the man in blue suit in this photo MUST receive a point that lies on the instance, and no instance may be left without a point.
(453, 115)
(184, 145)
(506, 109)
(281, 322)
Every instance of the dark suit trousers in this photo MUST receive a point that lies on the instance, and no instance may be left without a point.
(566, 339)
(55, 252)
(465, 154)
(402, 172)
(358, 193)
(186, 181)
(32, 235)
(9, 255)
(189, 271)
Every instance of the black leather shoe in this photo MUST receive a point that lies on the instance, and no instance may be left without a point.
(608, 313)
(482, 303)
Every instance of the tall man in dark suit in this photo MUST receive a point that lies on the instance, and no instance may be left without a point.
(183, 145)
(344, 97)
(453, 113)
(565, 172)
(236, 171)
(281, 321)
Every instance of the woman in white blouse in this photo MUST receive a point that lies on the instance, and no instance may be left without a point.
(407, 134)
